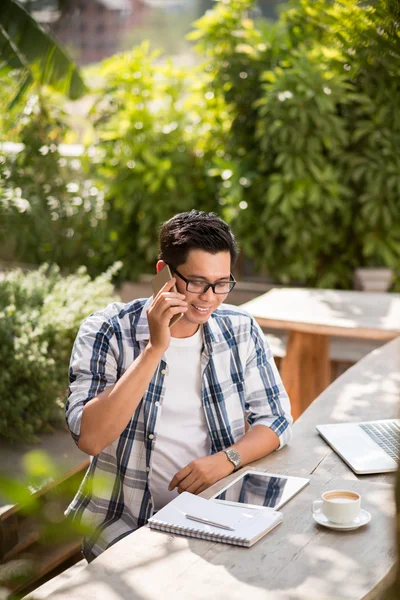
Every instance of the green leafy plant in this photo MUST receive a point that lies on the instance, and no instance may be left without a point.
(27, 49)
(51, 210)
(153, 152)
(40, 315)
(289, 131)
(368, 47)
(314, 103)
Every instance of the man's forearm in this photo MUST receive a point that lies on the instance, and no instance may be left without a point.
(256, 443)
(203, 472)
(106, 416)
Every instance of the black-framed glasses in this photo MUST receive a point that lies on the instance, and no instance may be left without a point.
(199, 287)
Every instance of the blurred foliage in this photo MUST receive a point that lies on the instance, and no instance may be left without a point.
(315, 123)
(288, 130)
(164, 29)
(51, 209)
(40, 314)
(41, 494)
(157, 135)
(31, 54)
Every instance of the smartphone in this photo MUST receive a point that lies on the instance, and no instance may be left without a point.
(158, 282)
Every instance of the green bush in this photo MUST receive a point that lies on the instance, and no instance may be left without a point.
(290, 131)
(315, 125)
(50, 209)
(154, 128)
(40, 316)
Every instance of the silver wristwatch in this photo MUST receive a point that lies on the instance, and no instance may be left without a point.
(234, 457)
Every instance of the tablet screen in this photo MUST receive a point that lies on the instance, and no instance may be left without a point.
(262, 489)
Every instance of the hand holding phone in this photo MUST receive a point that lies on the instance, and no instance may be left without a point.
(167, 308)
(158, 282)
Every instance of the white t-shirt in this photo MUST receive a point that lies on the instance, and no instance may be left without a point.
(182, 432)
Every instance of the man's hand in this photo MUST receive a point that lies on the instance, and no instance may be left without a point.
(201, 473)
(165, 305)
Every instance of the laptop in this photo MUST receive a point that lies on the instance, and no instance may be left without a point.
(367, 447)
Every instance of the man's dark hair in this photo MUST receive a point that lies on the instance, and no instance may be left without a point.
(195, 230)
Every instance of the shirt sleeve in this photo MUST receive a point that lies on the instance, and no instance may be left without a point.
(93, 368)
(267, 402)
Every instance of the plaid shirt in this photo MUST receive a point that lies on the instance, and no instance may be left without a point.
(239, 378)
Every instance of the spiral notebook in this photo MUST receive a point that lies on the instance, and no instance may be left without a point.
(249, 524)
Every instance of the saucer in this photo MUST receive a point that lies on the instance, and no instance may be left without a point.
(363, 518)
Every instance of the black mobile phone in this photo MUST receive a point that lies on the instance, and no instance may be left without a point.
(158, 282)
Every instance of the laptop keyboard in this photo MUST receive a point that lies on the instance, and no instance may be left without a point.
(386, 435)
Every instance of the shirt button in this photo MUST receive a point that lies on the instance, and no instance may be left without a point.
(148, 469)
(156, 403)
(164, 372)
(150, 501)
(151, 436)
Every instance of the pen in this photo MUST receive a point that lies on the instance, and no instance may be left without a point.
(208, 522)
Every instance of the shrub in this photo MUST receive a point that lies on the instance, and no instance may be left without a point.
(39, 319)
(154, 126)
(313, 103)
(50, 209)
(289, 131)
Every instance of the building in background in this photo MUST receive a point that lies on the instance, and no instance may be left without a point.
(92, 30)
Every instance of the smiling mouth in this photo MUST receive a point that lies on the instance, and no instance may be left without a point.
(201, 309)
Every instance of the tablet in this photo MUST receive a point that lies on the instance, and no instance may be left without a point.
(260, 489)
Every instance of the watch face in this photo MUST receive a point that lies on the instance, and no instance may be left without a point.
(234, 457)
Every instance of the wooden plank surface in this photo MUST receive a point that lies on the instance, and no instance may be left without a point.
(297, 560)
(47, 589)
(42, 560)
(329, 312)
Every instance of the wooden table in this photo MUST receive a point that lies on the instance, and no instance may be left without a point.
(311, 317)
(298, 560)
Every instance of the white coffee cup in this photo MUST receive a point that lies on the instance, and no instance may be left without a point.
(338, 506)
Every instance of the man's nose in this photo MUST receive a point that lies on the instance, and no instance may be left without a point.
(208, 295)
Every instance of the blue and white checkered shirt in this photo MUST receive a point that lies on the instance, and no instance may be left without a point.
(239, 378)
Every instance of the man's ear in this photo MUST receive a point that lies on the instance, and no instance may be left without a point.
(160, 265)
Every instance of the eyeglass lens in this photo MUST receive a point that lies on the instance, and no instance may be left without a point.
(198, 287)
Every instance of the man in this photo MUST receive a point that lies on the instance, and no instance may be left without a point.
(162, 410)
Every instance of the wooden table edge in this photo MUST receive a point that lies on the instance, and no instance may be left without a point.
(333, 330)
(383, 585)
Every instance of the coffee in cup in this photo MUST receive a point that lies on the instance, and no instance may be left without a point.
(338, 506)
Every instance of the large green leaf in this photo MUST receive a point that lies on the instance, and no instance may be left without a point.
(24, 44)
(9, 54)
(12, 59)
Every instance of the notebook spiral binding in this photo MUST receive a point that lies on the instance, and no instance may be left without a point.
(198, 533)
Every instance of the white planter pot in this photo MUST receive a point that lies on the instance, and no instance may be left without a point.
(370, 279)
